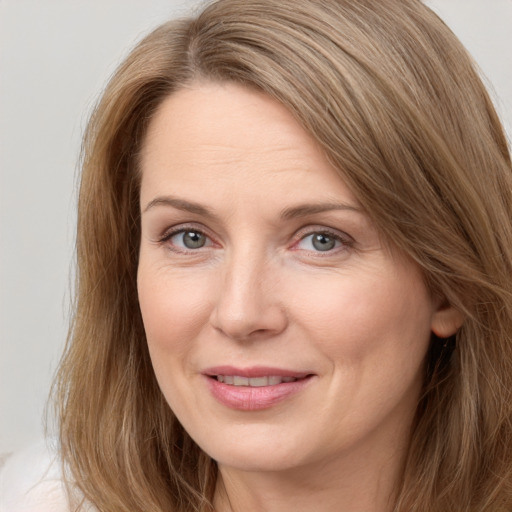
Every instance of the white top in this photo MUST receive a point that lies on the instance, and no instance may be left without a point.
(31, 481)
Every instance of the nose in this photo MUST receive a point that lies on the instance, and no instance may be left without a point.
(249, 304)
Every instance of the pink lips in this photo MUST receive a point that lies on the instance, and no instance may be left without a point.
(262, 395)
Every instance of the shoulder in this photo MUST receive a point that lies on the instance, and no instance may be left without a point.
(31, 481)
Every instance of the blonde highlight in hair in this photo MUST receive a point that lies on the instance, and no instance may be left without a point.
(396, 104)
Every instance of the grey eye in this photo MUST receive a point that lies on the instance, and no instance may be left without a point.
(193, 239)
(320, 241)
(189, 239)
(323, 242)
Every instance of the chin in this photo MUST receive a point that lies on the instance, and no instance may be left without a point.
(249, 450)
(258, 460)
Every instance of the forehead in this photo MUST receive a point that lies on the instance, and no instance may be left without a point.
(224, 120)
(221, 133)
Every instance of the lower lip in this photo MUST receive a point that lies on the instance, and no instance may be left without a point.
(247, 398)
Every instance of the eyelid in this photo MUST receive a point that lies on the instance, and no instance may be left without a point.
(346, 240)
(180, 228)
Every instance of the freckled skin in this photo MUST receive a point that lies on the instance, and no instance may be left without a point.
(259, 293)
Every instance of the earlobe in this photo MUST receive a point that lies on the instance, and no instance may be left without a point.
(446, 321)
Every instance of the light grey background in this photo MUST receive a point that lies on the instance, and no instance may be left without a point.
(55, 56)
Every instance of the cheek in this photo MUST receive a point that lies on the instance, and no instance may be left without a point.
(375, 334)
(360, 319)
(174, 308)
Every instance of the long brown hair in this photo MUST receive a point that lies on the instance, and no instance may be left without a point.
(396, 104)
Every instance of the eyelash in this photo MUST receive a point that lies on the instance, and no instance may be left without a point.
(345, 241)
(168, 235)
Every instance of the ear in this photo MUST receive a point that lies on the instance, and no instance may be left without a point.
(446, 321)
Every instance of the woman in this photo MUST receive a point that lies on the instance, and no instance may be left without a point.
(294, 249)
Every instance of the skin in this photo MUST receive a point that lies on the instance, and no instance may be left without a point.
(259, 292)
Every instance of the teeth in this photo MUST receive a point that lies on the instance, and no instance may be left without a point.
(258, 382)
(240, 381)
(254, 382)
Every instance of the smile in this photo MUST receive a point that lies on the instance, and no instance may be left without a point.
(256, 388)
(254, 382)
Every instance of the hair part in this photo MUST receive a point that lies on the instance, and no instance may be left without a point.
(395, 103)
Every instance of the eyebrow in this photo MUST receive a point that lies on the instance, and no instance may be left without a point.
(293, 212)
(180, 204)
(304, 210)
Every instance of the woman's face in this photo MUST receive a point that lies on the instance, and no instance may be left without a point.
(282, 332)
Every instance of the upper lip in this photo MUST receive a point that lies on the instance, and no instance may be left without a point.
(255, 371)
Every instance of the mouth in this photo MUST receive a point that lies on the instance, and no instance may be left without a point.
(256, 388)
(254, 377)
(254, 382)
